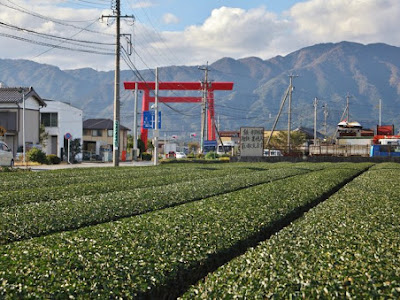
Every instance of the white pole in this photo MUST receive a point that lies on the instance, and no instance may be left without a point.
(69, 150)
(155, 132)
(380, 112)
(23, 127)
(135, 135)
(315, 120)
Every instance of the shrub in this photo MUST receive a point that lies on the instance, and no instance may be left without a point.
(146, 156)
(36, 155)
(200, 155)
(53, 159)
(190, 155)
(211, 155)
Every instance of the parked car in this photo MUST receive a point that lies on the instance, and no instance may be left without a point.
(272, 152)
(180, 155)
(171, 154)
(6, 155)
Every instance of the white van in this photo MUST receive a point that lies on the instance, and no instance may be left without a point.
(6, 155)
(272, 152)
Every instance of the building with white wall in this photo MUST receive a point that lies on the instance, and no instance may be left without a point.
(20, 116)
(60, 118)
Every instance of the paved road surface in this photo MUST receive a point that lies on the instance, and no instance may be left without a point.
(89, 165)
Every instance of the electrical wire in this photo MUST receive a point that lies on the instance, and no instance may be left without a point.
(54, 46)
(55, 37)
(48, 50)
(57, 21)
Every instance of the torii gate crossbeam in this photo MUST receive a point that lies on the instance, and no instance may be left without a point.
(183, 86)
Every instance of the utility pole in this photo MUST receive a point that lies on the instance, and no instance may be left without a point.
(116, 123)
(325, 118)
(315, 120)
(23, 126)
(135, 135)
(116, 86)
(348, 108)
(290, 110)
(277, 117)
(380, 112)
(204, 107)
(156, 132)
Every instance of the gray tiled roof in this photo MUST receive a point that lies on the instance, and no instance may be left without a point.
(310, 132)
(101, 124)
(14, 95)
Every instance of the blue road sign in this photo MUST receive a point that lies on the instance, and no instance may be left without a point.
(149, 118)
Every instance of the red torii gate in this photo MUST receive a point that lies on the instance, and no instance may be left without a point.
(186, 86)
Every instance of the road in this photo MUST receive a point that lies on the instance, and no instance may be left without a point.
(88, 165)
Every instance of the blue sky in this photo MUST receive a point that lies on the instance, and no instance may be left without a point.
(189, 32)
(191, 12)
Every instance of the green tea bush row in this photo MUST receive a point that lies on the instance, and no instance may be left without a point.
(345, 248)
(34, 219)
(156, 254)
(30, 180)
(112, 184)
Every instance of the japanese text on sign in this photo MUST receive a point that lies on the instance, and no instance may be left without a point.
(251, 141)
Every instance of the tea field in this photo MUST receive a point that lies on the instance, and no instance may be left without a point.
(240, 230)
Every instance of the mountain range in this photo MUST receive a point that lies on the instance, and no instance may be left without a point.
(329, 72)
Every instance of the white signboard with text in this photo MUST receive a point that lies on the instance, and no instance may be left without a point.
(251, 141)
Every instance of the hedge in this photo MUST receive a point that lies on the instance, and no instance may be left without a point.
(159, 253)
(38, 218)
(345, 248)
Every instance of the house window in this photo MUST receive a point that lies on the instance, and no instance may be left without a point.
(87, 132)
(49, 119)
(110, 132)
(97, 132)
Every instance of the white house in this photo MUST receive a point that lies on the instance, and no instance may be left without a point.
(60, 119)
(20, 116)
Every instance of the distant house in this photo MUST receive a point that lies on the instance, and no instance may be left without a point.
(352, 133)
(98, 138)
(309, 133)
(60, 118)
(12, 119)
(229, 136)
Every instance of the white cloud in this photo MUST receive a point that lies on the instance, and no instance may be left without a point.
(365, 21)
(232, 32)
(239, 33)
(12, 48)
(170, 19)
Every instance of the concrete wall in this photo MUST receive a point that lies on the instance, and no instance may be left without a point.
(316, 159)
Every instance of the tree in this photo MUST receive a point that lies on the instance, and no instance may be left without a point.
(43, 135)
(150, 145)
(279, 141)
(141, 146)
(75, 148)
(130, 142)
(193, 146)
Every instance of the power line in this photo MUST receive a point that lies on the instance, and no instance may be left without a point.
(54, 46)
(55, 37)
(57, 21)
(61, 42)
